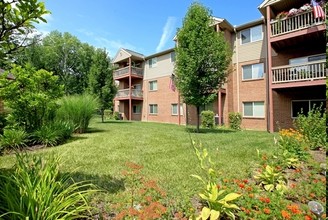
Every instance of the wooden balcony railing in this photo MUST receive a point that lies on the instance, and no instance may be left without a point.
(297, 22)
(125, 70)
(125, 93)
(295, 73)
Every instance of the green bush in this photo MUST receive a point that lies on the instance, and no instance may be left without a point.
(207, 119)
(108, 114)
(313, 127)
(13, 138)
(77, 109)
(116, 116)
(53, 134)
(235, 120)
(3, 121)
(37, 190)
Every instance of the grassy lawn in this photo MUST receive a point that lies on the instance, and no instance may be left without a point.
(165, 151)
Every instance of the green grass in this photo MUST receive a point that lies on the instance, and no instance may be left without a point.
(164, 150)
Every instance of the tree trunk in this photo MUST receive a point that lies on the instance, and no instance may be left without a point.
(102, 115)
(198, 109)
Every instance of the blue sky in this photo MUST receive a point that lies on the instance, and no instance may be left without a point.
(144, 26)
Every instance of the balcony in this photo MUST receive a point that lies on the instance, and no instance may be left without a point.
(311, 71)
(123, 94)
(124, 72)
(296, 22)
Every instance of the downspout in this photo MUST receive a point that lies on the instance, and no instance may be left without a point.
(270, 113)
(237, 69)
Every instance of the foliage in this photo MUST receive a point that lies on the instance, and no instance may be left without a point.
(31, 96)
(218, 201)
(202, 58)
(144, 196)
(77, 109)
(101, 82)
(17, 18)
(116, 115)
(53, 133)
(235, 120)
(272, 179)
(313, 127)
(64, 55)
(3, 121)
(37, 190)
(293, 142)
(13, 138)
(207, 119)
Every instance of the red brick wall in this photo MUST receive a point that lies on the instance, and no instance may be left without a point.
(163, 97)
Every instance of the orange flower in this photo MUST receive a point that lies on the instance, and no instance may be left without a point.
(293, 185)
(249, 188)
(285, 214)
(251, 195)
(312, 195)
(266, 200)
(267, 211)
(307, 217)
(241, 185)
(245, 181)
(294, 209)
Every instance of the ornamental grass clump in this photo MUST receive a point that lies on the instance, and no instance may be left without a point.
(78, 109)
(35, 189)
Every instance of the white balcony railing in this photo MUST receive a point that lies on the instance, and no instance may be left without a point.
(294, 73)
(125, 70)
(125, 93)
(294, 23)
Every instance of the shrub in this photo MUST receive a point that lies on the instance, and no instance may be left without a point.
(108, 114)
(77, 109)
(3, 121)
(207, 119)
(235, 120)
(313, 127)
(54, 133)
(13, 138)
(37, 190)
(116, 116)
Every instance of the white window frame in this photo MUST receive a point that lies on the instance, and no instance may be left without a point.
(252, 66)
(253, 104)
(153, 82)
(176, 105)
(251, 35)
(151, 109)
(152, 62)
(137, 107)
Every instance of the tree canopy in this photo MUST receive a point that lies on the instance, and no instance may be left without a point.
(202, 58)
(101, 82)
(16, 21)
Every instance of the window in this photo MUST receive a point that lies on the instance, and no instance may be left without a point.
(153, 85)
(136, 109)
(251, 35)
(153, 109)
(174, 109)
(255, 71)
(172, 57)
(253, 109)
(304, 106)
(152, 62)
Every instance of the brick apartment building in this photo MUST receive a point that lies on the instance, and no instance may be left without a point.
(277, 69)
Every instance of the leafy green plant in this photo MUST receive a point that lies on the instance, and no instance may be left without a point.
(77, 109)
(207, 119)
(13, 138)
(219, 202)
(235, 120)
(31, 96)
(293, 142)
(116, 115)
(313, 127)
(37, 190)
(272, 179)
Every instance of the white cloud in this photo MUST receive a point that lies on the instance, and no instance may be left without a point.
(167, 32)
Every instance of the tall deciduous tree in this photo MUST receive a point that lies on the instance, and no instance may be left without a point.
(202, 58)
(16, 23)
(101, 82)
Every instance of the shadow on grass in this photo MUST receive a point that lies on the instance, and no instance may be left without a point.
(115, 122)
(208, 130)
(104, 182)
(94, 130)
